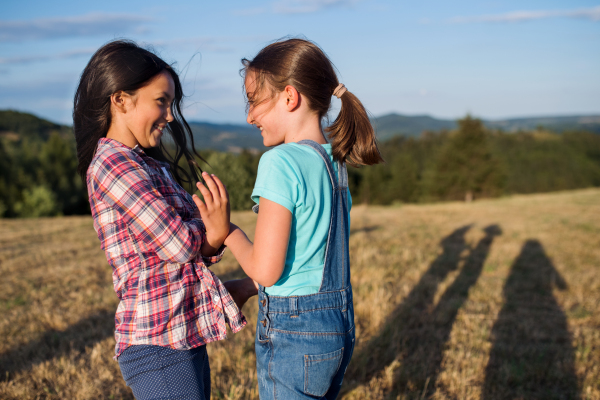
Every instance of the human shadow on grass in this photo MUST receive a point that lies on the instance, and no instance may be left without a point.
(56, 343)
(532, 355)
(364, 229)
(417, 330)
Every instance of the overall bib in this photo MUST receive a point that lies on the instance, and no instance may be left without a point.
(304, 343)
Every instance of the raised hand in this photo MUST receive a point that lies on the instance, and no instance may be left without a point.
(214, 211)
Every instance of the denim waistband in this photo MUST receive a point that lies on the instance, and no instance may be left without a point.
(317, 301)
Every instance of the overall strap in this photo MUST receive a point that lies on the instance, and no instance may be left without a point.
(342, 181)
(336, 273)
(321, 151)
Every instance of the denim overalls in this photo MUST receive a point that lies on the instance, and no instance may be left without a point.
(304, 343)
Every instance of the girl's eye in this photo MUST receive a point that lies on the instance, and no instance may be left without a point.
(161, 100)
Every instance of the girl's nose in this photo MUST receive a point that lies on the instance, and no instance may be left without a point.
(249, 119)
(169, 116)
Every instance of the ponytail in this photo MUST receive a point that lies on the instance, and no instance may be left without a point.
(352, 136)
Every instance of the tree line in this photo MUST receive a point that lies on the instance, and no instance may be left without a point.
(38, 167)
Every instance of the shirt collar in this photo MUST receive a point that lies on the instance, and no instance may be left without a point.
(115, 143)
(137, 149)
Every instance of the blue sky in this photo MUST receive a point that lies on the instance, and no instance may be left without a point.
(494, 59)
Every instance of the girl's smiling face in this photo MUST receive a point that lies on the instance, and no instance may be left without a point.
(148, 112)
(266, 113)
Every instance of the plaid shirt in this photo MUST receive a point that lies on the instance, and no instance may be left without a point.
(151, 232)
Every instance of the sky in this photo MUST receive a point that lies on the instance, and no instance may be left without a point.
(493, 59)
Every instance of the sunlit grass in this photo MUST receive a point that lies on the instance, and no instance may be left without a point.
(437, 288)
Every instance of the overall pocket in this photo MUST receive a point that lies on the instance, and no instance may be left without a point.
(319, 371)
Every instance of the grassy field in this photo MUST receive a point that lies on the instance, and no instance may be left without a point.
(496, 299)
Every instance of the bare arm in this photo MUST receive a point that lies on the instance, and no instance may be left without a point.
(263, 260)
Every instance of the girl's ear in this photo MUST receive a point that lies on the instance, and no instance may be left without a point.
(292, 97)
(119, 101)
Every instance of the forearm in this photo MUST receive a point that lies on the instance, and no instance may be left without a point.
(241, 290)
(254, 266)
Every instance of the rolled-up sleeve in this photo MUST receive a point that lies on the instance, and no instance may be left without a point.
(125, 185)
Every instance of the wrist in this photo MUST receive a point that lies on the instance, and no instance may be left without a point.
(214, 239)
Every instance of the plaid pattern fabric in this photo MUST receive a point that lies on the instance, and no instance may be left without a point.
(151, 232)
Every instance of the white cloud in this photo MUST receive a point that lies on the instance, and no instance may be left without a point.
(212, 44)
(308, 6)
(83, 25)
(297, 7)
(249, 12)
(592, 14)
(46, 57)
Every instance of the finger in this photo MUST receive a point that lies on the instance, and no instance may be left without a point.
(210, 183)
(201, 206)
(208, 198)
(222, 189)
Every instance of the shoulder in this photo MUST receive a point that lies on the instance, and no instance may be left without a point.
(113, 159)
(290, 155)
(116, 166)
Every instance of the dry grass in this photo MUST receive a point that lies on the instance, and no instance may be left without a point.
(497, 299)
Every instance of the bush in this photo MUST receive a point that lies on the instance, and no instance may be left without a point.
(38, 201)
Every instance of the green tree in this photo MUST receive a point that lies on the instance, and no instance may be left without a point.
(238, 173)
(38, 201)
(466, 168)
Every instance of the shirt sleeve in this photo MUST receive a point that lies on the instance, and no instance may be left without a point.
(210, 260)
(277, 180)
(125, 185)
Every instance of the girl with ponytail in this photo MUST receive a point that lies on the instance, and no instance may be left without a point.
(300, 258)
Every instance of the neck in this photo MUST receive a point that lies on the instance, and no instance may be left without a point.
(118, 131)
(307, 127)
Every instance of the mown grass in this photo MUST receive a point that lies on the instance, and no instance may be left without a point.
(497, 299)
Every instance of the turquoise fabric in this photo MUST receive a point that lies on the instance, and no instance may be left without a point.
(295, 177)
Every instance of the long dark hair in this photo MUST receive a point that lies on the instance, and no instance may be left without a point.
(302, 64)
(122, 65)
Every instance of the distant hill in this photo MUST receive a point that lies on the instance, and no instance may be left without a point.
(390, 125)
(221, 137)
(589, 123)
(227, 137)
(18, 124)
(235, 137)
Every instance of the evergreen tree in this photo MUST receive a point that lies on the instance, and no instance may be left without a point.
(466, 167)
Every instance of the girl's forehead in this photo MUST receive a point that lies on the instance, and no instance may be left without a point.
(250, 81)
(162, 82)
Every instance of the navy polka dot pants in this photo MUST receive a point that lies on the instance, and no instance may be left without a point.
(157, 373)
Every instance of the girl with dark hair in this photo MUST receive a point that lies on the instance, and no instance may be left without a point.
(157, 241)
(300, 256)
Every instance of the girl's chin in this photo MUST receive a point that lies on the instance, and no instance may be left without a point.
(155, 140)
(270, 142)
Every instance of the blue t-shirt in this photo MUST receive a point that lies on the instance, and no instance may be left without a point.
(295, 177)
